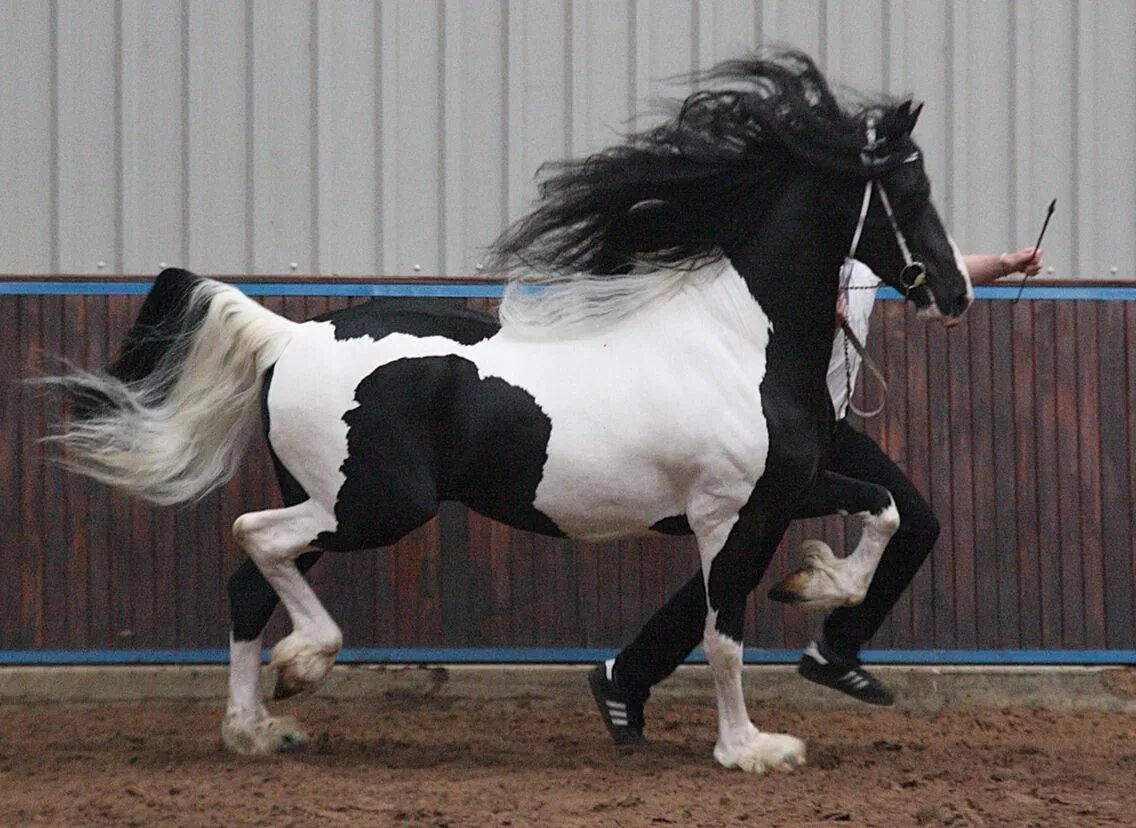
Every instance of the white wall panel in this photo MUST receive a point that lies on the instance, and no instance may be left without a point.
(219, 138)
(1105, 135)
(410, 89)
(152, 129)
(473, 131)
(797, 24)
(346, 210)
(921, 64)
(283, 137)
(726, 29)
(87, 98)
(537, 94)
(27, 162)
(856, 46)
(357, 137)
(980, 128)
(602, 76)
(1043, 132)
(665, 47)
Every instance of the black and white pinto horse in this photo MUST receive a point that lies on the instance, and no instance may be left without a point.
(660, 365)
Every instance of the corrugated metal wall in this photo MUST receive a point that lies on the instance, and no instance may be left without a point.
(295, 136)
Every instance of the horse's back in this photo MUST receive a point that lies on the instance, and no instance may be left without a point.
(418, 316)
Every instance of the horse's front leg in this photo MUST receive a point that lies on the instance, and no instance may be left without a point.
(734, 557)
(826, 581)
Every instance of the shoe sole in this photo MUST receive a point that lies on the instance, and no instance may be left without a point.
(823, 683)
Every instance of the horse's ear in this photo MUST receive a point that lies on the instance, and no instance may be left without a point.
(913, 117)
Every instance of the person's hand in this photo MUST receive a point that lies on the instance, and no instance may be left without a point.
(1027, 261)
(841, 309)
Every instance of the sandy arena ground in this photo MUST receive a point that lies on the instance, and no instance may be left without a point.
(434, 762)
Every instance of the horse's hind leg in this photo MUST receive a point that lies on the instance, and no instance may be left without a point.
(273, 540)
(248, 728)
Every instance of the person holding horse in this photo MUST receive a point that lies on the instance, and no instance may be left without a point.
(622, 685)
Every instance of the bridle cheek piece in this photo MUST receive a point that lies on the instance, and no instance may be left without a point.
(914, 273)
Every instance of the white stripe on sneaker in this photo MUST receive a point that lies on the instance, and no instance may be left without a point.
(813, 652)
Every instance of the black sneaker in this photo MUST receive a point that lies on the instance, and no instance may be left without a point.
(623, 717)
(820, 664)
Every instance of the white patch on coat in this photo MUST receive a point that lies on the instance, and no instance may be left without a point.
(657, 415)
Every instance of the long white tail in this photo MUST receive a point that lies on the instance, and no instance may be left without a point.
(169, 421)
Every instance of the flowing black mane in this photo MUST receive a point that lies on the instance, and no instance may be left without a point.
(669, 196)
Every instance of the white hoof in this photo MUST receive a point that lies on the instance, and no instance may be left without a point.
(259, 734)
(301, 665)
(759, 752)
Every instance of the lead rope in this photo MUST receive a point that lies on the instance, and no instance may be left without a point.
(869, 363)
(849, 334)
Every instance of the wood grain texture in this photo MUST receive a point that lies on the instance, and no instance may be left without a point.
(1018, 426)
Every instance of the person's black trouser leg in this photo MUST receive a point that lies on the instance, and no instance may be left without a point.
(676, 629)
(857, 455)
(664, 642)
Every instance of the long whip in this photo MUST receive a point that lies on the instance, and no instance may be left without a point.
(1036, 247)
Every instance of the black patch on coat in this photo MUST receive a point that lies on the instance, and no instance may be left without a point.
(428, 429)
(674, 525)
(418, 316)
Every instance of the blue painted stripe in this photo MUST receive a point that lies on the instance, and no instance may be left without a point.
(1099, 293)
(562, 655)
(463, 290)
(492, 290)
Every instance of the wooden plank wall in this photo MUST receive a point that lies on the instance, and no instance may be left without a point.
(1019, 425)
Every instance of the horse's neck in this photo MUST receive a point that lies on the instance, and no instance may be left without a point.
(791, 267)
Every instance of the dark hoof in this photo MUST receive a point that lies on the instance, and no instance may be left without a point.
(293, 744)
(285, 689)
(788, 591)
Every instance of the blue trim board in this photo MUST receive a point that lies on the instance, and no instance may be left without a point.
(1064, 292)
(493, 290)
(560, 655)
(462, 290)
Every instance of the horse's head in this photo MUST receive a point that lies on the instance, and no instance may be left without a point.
(898, 232)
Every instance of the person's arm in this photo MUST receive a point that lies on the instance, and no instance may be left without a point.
(986, 267)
